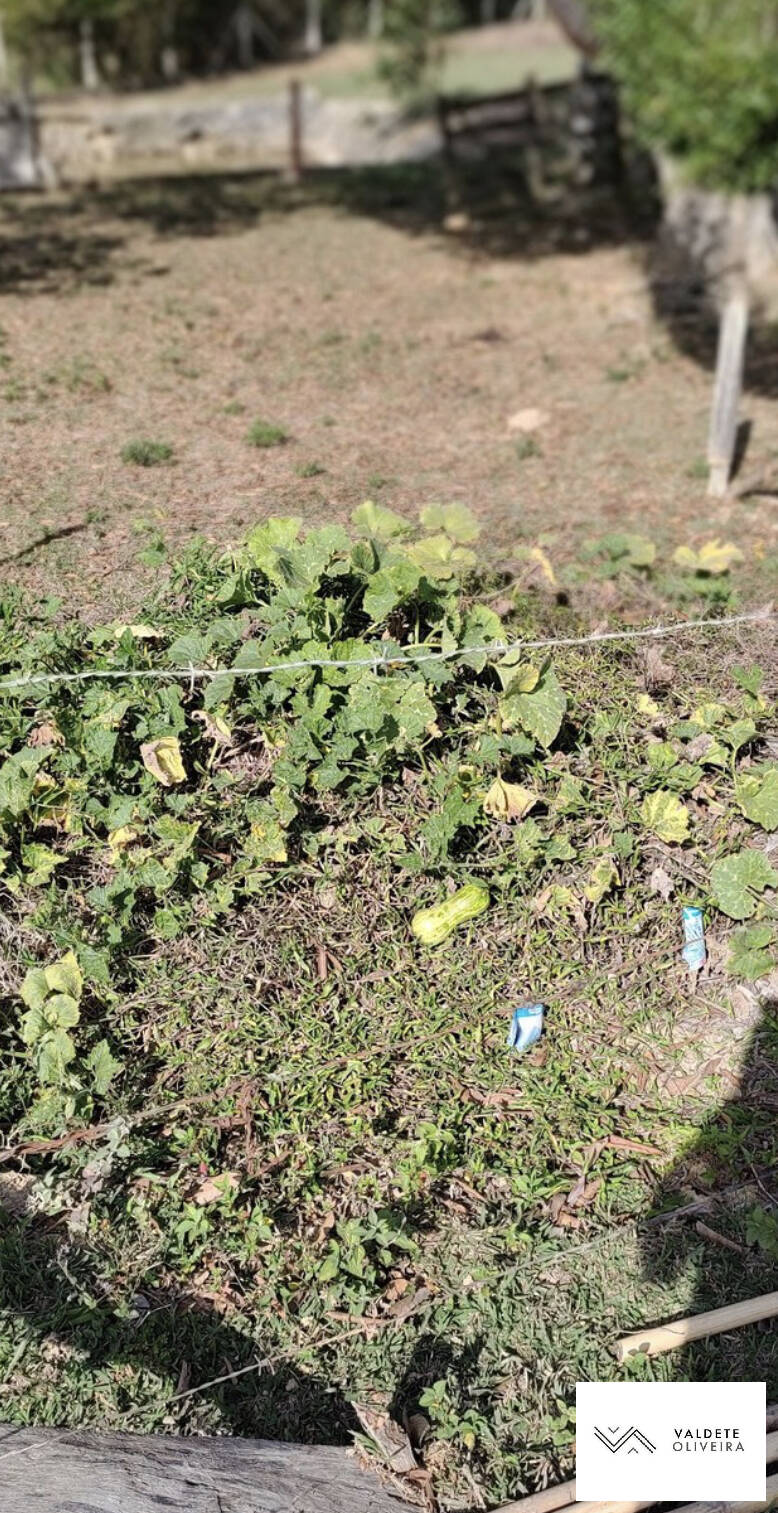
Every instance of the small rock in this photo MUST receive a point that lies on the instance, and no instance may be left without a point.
(457, 222)
(528, 420)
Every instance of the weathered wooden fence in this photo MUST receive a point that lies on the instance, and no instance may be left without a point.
(577, 119)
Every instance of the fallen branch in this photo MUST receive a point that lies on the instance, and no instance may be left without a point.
(669, 1336)
(718, 1239)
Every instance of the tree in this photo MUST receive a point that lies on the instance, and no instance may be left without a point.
(313, 41)
(414, 30)
(375, 19)
(698, 80)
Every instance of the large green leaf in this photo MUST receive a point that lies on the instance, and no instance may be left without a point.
(757, 797)
(387, 588)
(268, 542)
(737, 879)
(635, 551)
(540, 711)
(751, 954)
(456, 520)
(376, 520)
(103, 1066)
(413, 713)
(55, 1053)
(62, 1011)
(39, 862)
(438, 557)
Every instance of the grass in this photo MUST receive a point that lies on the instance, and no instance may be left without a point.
(401, 1211)
(147, 454)
(262, 434)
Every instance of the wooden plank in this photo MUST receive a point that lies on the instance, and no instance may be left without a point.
(78, 1471)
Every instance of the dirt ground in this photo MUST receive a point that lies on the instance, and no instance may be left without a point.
(392, 352)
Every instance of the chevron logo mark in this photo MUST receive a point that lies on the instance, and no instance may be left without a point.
(629, 1440)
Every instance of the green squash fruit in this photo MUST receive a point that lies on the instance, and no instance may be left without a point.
(431, 926)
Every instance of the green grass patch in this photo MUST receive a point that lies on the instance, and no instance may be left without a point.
(262, 434)
(147, 454)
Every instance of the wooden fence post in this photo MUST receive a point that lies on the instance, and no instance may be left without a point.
(733, 329)
(295, 131)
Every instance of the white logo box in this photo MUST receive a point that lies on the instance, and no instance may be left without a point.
(670, 1441)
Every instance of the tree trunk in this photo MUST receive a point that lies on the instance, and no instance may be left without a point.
(488, 12)
(90, 75)
(375, 19)
(243, 22)
(125, 1473)
(3, 58)
(313, 42)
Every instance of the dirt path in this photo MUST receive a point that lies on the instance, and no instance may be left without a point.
(392, 357)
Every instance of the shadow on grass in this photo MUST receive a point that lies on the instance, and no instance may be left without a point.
(45, 540)
(727, 1181)
(54, 240)
(169, 1344)
(481, 209)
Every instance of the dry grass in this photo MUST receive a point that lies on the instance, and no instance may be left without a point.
(391, 354)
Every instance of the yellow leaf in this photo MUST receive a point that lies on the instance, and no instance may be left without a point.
(603, 877)
(214, 727)
(713, 557)
(709, 715)
(123, 836)
(646, 705)
(664, 815)
(536, 555)
(509, 801)
(267, 841)
(140, 632)
(516, 676)
(162, 758)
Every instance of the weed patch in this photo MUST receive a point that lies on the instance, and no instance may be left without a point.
(298, 1125)
(147, 454)
(262, 434)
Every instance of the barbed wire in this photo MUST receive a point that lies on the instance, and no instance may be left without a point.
(389, 656)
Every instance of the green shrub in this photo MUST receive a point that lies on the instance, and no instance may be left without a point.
(698, 78)
(147, 454)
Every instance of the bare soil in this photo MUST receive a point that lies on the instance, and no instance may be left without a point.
(390, 350)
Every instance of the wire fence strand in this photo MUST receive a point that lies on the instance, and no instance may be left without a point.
(388, 656)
